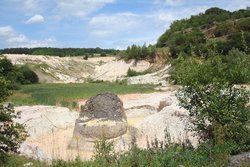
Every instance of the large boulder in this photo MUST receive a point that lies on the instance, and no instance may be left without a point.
(102, 118)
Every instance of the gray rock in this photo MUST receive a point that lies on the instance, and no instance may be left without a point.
(102, 118)
(33, 151)
(240, 159)
(106, 106)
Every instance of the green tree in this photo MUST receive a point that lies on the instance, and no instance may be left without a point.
(218, 113)
(11, 133)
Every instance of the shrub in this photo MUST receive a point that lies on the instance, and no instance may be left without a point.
(139, 53)
(104, 152)
(16, 74)
(26, 76)
(218, 113)
(11, 133)
(132, 73)
(233, 68)
(86, 57)
(103, 55)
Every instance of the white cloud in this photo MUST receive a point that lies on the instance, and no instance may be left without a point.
(236, 5)
(123, 44)
(6, 32)
(36, 19)
(31, 5)
(79, 8)
(170, 2)
(107, 25)
(13, 39)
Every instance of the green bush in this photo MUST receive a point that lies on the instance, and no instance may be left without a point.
(233, 68)
(194, 35)
(218, 114)
(12, 134)
(26, 76)
(17, 74)
(104, 152)
(139, 53)
(132, 73)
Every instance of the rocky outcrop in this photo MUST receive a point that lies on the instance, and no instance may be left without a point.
(164, 120)
(43, 123)
(40, 120)
(102, 118)
(240, 160)
(115, 70)
(156, 78)
(34, 152)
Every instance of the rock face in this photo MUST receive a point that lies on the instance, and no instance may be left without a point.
(40, 120)
(240, 159)
(102, 118)
(159, 77)
(33, 151)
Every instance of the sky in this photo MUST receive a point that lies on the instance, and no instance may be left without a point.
(95, 23)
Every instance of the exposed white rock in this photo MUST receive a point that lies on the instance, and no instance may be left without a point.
(40, 120)
(114, 70)
(159, 77)
(34, 152)
(169, 124)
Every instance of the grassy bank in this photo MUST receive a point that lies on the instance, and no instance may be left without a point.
(68, 94)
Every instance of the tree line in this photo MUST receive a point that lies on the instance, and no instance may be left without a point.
(62, 52)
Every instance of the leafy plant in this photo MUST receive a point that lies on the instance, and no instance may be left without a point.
(11, 133)
(104, 152)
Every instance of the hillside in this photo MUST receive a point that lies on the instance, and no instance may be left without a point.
(215, 27)
(54, 69)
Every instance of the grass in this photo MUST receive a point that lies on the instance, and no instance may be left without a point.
(68, 94)
(155, 156)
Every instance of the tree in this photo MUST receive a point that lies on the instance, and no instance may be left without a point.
(217, 109)
(6, 67)
(218, 113)
(11, 133)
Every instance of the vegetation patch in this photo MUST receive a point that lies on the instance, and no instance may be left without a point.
(68, 94)
(132, 73)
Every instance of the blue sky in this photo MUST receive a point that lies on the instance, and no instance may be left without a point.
(95, 23)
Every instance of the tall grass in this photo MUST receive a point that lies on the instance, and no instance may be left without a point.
(69, 94)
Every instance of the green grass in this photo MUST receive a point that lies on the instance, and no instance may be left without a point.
(172, 156)
(68, 94)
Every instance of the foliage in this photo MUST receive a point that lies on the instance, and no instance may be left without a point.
(214, 25)
(103, 54)
(216, 108)
(26, 76)
(139, 53)
(53, 94)
(17, 74)
(218, 113)
(233, 68)
(4, 91)
(62, 52)
(132, 73)
(86, 57)
(104, 152)
(11, 133)
(154, 156)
